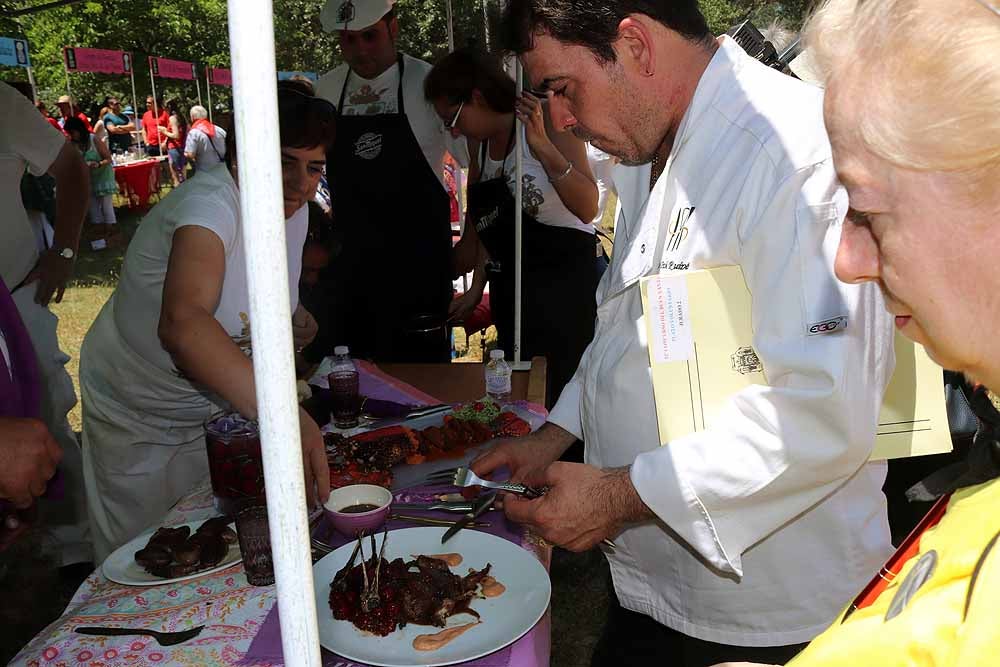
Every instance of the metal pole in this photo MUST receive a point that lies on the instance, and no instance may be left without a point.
(135, 100)
(31, 80)
(208, 91)
(518, 214)
(197, 82)
(486, 24)
(68, 91)
(451, 28)
(251, 39)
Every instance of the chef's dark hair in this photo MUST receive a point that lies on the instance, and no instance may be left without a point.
(594, 23)
(304, 120)
(456, 75)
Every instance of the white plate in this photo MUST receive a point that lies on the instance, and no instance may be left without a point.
(504, 619)
(120, 567)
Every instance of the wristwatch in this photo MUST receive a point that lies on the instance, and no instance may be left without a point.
(66, 253)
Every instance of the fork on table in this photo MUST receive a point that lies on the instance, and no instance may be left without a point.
(162, 638)
(465, 477)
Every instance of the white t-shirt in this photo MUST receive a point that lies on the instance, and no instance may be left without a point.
(539, 197)
(368, 97)
(210, 200)
(26, 141)
(601, 166)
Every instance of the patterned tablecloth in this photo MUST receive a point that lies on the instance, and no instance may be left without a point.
(232, 611)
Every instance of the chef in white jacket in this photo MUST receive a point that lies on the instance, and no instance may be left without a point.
(742, 541)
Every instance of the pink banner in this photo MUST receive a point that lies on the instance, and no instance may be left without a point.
(172, 69)
(97, 60)
(220, 77)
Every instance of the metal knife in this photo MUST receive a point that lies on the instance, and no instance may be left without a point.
(441, 506)
(482, 504)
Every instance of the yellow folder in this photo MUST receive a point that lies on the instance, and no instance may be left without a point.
(700, 340)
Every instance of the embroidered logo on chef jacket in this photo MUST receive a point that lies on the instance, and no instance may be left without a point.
(745, 361)
(678, 228)
(368, 146)
(345, 13)
(827, 326)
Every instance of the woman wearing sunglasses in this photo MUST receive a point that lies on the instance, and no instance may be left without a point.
(476, 99)
(173, 343)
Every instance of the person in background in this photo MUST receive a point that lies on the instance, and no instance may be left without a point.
(119, 127)
(35, 278)
(44, 110)
(721, 533)
(155, 117)
(205, 146)
(386, 177)
(100, 130)
(476, 99)
(176, 134)
(174, 342)
(924, 212)
(315, 292)
(102, 176)
(68, 109)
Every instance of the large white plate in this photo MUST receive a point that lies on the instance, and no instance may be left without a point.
(504, 619)
(121, 567)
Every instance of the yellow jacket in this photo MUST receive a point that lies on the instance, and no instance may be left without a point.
(951, 618)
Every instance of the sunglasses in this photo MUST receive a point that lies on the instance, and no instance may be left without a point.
(454, 121)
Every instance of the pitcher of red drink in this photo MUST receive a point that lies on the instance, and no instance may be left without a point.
(234, 461)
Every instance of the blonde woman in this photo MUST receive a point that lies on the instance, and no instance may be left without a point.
(913, 88)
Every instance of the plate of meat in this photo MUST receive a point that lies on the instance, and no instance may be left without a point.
(432, 608)
(169, 555)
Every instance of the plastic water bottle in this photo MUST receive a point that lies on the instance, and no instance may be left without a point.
(498, 378)
(344, 386)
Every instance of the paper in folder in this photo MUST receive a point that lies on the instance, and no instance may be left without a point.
(700, 338)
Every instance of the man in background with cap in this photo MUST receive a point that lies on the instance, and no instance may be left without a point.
(392, 282)
(68, 109)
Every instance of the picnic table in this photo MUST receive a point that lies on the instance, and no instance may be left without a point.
(138, 180)
(241, 622)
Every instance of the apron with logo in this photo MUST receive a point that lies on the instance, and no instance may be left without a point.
(559, 279)
(392, 281)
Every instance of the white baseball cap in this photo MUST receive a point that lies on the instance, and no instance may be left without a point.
(353, 14)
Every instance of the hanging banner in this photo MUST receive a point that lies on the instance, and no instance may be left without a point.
(97, 60)
(312, 76)
(219, 77)
(172, 69)
(14, 52)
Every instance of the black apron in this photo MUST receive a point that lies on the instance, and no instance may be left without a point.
(559, 279)
(392, 281)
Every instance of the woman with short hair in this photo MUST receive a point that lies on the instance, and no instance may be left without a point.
(913, 88)
(173, 344)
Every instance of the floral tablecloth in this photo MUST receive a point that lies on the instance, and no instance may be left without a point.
(232, 611)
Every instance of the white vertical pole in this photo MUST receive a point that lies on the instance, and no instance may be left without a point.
(451, 27)
(251, 39)
(31, 80)
(156, 112)
(197, 82)
(486, 24)
(208, 90)
(135, 100)
(68, 91)
(518, 219)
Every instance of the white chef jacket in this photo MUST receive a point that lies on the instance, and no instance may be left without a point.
(770, 521)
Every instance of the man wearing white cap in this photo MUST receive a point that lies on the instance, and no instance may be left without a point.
(393, 278)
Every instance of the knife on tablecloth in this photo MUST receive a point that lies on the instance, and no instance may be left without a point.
(482, 505)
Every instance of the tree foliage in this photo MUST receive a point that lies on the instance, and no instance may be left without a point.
(196, 30)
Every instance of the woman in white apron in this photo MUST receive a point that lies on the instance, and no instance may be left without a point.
(173, 343)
